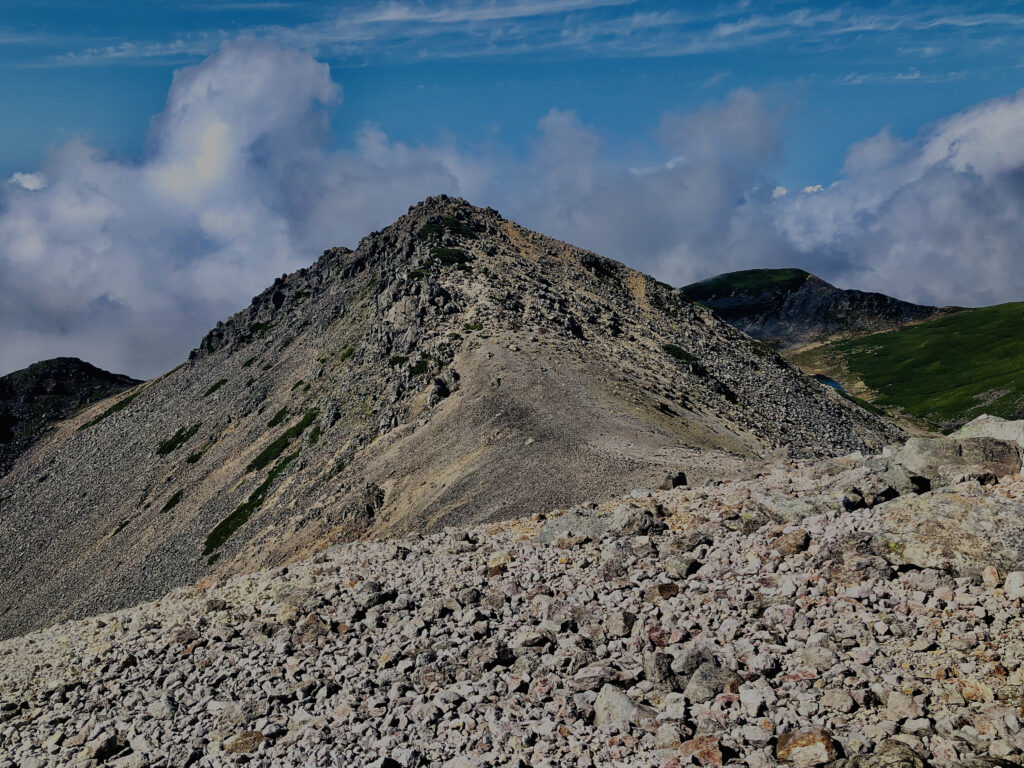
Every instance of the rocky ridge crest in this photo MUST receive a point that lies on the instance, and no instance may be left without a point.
(409, 384)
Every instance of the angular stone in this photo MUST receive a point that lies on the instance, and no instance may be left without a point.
(627, 520)
(900, 706)
(704, 749)
(673, 480)
(838, 700)
(614, 709)
(806, 747)
(708, 681)
(246, 741)
(1013, 586)
(498, 563)
(791, 542)
(620, 623)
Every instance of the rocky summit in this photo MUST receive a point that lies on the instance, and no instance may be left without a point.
(454, 369)
(812, 614)
(35, 398)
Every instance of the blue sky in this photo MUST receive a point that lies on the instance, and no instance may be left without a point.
(481, 71)
(161, 162)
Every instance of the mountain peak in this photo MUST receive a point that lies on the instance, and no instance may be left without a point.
(44, 393)
(409, 384)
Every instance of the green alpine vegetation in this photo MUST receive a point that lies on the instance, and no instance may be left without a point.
(215, 386)
(244, 511)
(177, 440)
(276, 448)
(944, 371)
(678, 353)
(278, 417)
(747, 282)
(118, 406)
(172, 502)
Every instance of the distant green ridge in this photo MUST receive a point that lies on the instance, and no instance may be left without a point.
(945, 371)
(747, 282)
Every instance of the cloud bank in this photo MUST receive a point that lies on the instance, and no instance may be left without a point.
(127, 264)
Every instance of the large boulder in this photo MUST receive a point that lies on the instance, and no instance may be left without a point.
(626, 520)
(992, 426)
(955, 532)
(945, 459)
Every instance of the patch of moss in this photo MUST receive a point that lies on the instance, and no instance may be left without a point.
(449, 256)
(420, 367)
(120, 405)
(314, 435)
(213, 558)
(472, 326)
(249, 362)
(194, 457)
(226, 527)
(763, 349)
(397, 360)
(172, 502)
(297, 384)
(678, 353)
(278, 417)
(267, 366)
(346, 353)
(250, 381)
(258, 329)
(432, 229)
(276, 448)
(457, 227)
(178, 439)
(215, 386)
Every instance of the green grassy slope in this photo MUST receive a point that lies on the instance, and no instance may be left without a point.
(749, 282)
(944, 371)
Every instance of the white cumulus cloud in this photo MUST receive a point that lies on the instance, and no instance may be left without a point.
(127, 264)
(33, 182)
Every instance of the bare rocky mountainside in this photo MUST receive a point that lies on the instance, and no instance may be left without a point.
(854, 612)
(35, 398)
(454, 369)
(791, 308)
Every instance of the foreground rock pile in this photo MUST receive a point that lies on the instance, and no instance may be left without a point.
(763, 621)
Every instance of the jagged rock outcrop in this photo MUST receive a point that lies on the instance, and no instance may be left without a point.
(455, 368)
(790, 307)
(35, 398)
